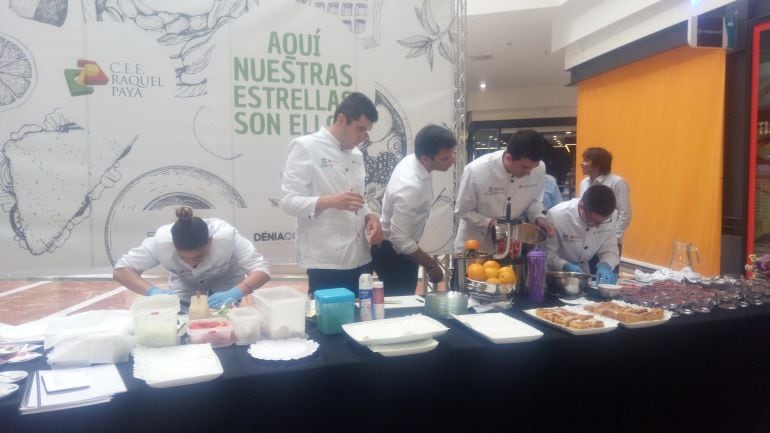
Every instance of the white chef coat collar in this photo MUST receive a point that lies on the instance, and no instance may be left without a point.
(498, 166)
(331, 137)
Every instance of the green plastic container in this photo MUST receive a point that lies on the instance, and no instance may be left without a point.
(334, 308)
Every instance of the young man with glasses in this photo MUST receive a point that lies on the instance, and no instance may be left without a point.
(585, 228)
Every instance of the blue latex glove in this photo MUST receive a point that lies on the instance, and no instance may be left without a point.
(604, 274)
(152, 291)
(571, 267)
(217, 300)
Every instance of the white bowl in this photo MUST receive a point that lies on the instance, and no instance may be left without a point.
(609, 290)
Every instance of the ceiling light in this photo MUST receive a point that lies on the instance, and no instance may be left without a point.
(483, 85)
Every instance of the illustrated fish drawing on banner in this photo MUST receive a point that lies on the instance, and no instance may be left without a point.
(49, 176)
(188, 26)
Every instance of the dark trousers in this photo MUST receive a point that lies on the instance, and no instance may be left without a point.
(397, 273)
(335, 278)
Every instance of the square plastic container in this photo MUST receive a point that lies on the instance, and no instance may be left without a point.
(155, 320)
(246, 322)
(214, 330)
(282, 310)
(334, 308)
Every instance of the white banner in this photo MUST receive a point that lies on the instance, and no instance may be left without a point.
(114, 113)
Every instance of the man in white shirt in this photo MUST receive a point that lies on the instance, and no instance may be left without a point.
(323, 186)
(405, 209)
(585, 228)
(514, 176)
(597, 167)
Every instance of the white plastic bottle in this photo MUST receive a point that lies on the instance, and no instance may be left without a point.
(379, 301)
(365, 296)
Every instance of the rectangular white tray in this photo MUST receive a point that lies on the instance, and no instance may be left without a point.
(499, 328)
(609, 324)
(395, 330)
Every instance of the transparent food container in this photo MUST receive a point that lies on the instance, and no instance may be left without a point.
(216, 331)
(246, 323)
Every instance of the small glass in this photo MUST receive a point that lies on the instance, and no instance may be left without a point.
(754, 292)
(728, 298)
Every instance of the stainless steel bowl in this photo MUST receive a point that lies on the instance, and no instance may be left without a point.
(567, 284)
(444, 304)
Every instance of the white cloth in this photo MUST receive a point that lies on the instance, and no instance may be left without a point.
(229, 259)
(406, 205)
(619, 186)
(317, 166)
(485, 189)
(576, 242)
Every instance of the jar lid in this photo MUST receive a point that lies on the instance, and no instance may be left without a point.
(333, 295)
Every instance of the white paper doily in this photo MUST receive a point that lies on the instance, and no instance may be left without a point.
(283, 350)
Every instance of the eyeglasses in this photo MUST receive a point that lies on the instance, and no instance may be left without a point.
(592, 219)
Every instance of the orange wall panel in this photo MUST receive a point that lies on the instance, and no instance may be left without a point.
(662, 119)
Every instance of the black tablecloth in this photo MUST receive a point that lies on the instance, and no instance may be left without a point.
(705, 372)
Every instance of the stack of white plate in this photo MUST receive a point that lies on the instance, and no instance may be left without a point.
(397, 336)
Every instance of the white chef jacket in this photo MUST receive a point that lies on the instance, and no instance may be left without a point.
(406, 205)
(575, 242)
(485, 189)
(229, 259)
(619, 186)
(316, 166)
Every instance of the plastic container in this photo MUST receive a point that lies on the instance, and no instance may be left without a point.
(215, 330)
(282, 310)
(378, 300)
(247, 325)
(365, 297)
(334, 308)
(536, 275)
(155, 320)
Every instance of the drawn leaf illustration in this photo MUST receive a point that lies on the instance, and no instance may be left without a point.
(416, 52)
(444, 51)
(429, 56)
(427, 21)
(416, 41)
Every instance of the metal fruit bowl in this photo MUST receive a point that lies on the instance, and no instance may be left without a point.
(567, 284)
(489, 292)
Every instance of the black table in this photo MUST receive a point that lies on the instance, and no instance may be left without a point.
(705, 372)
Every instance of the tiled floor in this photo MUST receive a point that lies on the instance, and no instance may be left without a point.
(23, 301)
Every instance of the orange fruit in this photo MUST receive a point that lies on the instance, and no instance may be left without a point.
(507, 277)
(476, 272)
(491, 264)
(491, 272)
(471, 245)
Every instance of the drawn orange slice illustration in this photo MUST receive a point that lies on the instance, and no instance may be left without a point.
(17, 73)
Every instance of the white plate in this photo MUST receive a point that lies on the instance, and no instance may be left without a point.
(646, 324)
(408, 348)
(499, 328)
(283, 350)
(609, 324)
(12, 376)
(7, 389)
(23, 357)
(395, 330)
(9, 349)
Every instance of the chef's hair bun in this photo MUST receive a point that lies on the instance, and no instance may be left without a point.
(184, 213)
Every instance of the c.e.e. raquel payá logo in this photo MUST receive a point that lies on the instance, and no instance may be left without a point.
(80, 81)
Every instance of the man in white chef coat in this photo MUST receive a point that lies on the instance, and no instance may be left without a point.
(405, 209)
(597, 167)
(585, 227)
(514, 176)
(323, 186)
